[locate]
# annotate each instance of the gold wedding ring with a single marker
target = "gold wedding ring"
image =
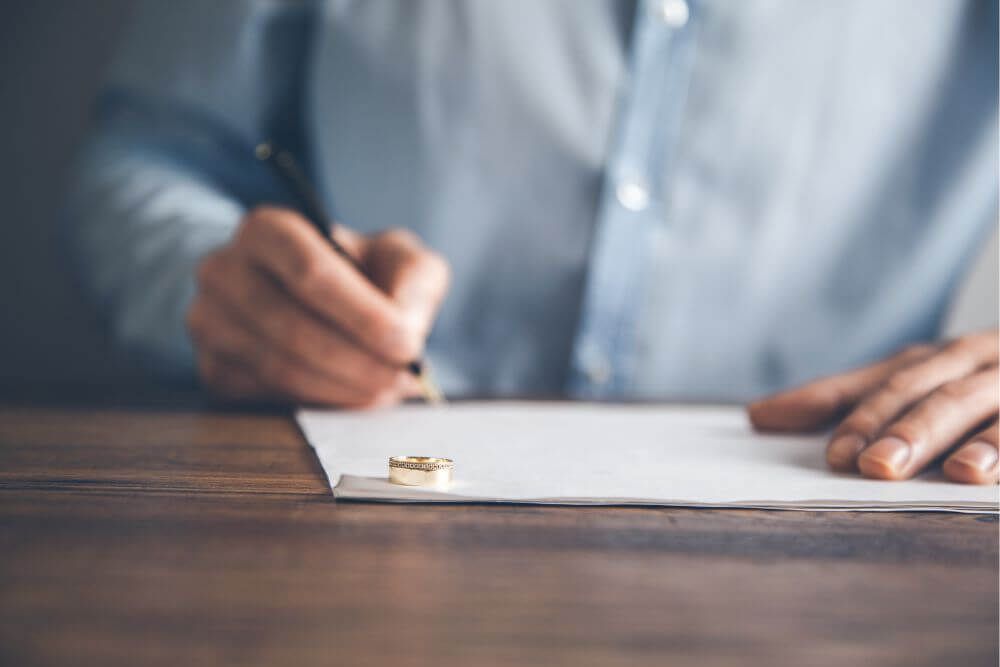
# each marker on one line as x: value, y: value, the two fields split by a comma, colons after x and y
x: 420, y: 471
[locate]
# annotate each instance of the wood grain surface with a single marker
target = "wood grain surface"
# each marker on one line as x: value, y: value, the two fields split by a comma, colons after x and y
x: 155, y: 536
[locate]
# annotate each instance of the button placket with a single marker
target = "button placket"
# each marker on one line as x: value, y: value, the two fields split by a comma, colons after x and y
x: 604, y: 361
x: 674, y: 13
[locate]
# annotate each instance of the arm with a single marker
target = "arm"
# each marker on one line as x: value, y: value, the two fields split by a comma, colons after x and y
x: 900, y: 415
x: 169, y: 225
x: 168, y: 173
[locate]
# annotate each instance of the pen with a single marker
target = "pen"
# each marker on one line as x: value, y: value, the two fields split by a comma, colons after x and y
x: 288, y: 169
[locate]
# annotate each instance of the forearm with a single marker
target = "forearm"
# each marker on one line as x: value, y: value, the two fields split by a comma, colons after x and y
x: 136, y: 225
x: 169, y: 169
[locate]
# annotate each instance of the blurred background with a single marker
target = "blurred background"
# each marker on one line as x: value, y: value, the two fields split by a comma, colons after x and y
x: 52, y: 57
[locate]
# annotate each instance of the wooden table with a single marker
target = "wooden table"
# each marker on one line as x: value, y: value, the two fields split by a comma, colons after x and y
x: 169, y: 535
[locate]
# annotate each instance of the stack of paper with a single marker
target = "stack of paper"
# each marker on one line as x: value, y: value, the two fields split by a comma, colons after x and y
x: 597, y: 454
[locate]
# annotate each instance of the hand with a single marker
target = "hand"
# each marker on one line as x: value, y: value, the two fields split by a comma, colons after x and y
x: 904, y: 413
x: 279, y: 315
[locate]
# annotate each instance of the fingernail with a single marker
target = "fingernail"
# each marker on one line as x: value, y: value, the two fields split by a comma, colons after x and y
x: 842, y: 453
x: 885, y: 458
x: 981, y: 455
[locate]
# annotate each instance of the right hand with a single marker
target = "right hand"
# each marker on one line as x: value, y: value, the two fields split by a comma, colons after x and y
x: 279, y: 315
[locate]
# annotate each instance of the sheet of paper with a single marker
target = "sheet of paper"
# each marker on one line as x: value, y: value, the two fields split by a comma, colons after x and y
x: 596, y: 454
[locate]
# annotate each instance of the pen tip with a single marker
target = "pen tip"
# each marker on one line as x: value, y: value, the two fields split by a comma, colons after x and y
x: 263, y: 150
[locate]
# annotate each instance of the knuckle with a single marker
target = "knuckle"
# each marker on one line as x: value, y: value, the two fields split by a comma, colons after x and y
x: 956, y: 391
x: 210, y: 270
x: 263, y: 224
x: 400, y: 236
x: 827, y: 395
x: 978, y: 339
x: 863, y: 420
x: 266, y: 212
x: 963, y: 347
x: 911, y: 429
x: 902, y: 382
x: 918, y: 350
x: 374, y: 325
x: 253, y: 223
x: 310, y: 273
x: 263, y: 215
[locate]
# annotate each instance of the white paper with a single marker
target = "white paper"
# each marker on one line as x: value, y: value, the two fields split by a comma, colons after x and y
x: 597, y: 454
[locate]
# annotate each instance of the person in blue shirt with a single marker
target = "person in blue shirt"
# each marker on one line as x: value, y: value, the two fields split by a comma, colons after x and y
x: 662, y: 199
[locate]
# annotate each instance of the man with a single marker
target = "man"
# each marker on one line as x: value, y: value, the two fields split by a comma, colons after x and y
x: 671, y: 199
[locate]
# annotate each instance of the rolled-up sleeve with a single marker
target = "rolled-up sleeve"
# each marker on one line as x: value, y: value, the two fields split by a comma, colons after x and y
x: 168, y: 170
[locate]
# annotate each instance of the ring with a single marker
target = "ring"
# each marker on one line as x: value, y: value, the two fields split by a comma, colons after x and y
x: 420, y: 471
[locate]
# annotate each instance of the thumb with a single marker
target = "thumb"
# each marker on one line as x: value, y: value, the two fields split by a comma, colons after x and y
x: 415, y: 277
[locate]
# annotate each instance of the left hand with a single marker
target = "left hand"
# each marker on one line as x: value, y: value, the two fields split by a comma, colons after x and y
x: 898, y: 416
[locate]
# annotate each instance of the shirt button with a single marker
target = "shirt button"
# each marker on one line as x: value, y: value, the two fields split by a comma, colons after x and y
x: 674, y: 13
x: 632, y: 194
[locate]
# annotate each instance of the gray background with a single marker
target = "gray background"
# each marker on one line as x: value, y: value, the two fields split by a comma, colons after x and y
x: 52, y: 54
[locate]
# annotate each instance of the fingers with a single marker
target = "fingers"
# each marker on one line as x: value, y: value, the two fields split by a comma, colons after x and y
x: 252, y: 297
x: 975, y: 462
x: 278, y: 313
x: 413, y: 276
x: 932, y: 426
x: 238, y: 363
x: 901, y: 390
x: 256, y: 342
x: 815, y: 404
x: 243, y: 371
x: 281, y: 243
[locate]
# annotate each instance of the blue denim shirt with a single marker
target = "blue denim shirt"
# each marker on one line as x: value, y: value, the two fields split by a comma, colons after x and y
x: 694, y: 199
